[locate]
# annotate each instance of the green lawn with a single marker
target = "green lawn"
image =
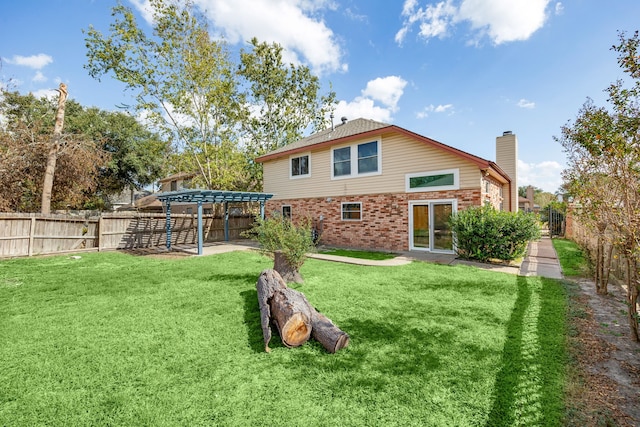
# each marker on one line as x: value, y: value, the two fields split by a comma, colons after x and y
x: 114, y: 339
x: 372, y: 255
x: 572, y: 259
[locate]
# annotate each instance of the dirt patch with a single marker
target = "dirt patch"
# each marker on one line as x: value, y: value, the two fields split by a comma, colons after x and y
x: 605, y: 387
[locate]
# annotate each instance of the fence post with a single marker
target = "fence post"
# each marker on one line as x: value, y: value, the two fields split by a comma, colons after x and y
x: 32, y: 232
x: 100, y: 225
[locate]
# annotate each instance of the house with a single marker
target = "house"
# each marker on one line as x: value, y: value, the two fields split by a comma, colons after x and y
x: 175, y: 182
x: 526, y: 204
x: 374, y: 185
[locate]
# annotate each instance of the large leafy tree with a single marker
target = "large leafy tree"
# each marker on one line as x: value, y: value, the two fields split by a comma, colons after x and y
x: 603, y: 150
x: 137, y: 156
x: 101, y: 154
x: 25, y: 137
x: 284, y: 99
x: 184, y: 84
x: 219, y: 115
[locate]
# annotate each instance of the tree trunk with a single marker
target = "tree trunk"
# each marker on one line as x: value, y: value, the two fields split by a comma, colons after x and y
x: 289, y: 273
x: 294, y: 317
x: 52, y: 156
x: 268, y: 283
x: 326, y: 333
x: 632, y: 295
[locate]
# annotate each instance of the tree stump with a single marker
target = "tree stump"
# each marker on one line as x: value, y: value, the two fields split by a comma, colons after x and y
x: 288, y: 273
x: 294, y: 317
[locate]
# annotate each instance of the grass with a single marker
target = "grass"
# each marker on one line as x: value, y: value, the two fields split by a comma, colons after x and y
x: 371, y: 255
x: 572, y: 259
x: 113, y: 339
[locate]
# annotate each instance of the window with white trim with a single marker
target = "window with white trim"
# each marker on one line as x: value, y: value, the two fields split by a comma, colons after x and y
x: 442, y: 180
x: 351, y: 211
x: 299, y: 166
x: 286, y: 211
x: 356, y: 160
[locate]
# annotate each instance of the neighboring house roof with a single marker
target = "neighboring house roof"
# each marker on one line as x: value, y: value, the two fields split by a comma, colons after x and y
x: 361, y: 128
x: 177, y: 176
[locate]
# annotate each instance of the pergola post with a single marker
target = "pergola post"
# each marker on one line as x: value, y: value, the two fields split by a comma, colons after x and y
x: 261, y: 209
x: 168, y: 225
x: 200, y: 233
x: 226, y: 221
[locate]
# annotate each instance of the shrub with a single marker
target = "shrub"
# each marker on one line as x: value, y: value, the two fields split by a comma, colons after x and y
x: 483, y: 233
x: 277, y: 233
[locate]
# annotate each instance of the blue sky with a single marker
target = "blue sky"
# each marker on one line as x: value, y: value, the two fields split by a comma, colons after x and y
x: 458, y: 71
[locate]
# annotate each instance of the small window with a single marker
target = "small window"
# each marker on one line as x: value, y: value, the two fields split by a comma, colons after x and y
x: 342, y: 161
x: 487, y: 187
x: 286, y: 211
x: 300, y: 166
x: 352, y: 211
x: 433, y: 181
x: 174, y: 185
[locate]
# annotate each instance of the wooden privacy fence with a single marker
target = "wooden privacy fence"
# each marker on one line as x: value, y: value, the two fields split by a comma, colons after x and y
x: 36, y: 234
x: 587, y: 239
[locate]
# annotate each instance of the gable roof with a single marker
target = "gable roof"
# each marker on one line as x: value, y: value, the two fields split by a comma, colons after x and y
x: 361, y: 128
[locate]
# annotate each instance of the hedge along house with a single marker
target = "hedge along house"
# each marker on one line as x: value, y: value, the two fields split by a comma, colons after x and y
x: 374, y: 185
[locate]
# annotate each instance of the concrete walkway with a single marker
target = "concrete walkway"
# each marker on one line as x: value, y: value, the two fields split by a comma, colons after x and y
x: 541, y: 259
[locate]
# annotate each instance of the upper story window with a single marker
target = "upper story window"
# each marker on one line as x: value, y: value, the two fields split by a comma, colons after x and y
x: 300, y: 166
x: 174, y: 185
x: 356, y: 160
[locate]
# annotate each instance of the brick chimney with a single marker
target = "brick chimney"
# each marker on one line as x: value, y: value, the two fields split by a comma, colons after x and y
x: 507, y: 159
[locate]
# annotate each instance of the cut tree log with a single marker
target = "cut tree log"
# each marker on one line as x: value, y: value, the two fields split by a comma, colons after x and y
x: 326, y: 333
x: 294, y: 317
x: 268, y: 282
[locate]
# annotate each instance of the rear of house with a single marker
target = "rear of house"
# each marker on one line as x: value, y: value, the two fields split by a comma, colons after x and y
x: 373, y: 185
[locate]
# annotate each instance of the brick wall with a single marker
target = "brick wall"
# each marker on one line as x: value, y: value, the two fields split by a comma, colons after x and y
x: 385, y: 217
x: 493, y: 196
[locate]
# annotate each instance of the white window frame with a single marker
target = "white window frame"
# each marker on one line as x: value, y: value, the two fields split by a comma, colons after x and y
x: 354, y: 160
x: 295, y: 156
x: 342, y: 218
x: 290, y: 211
x: 455, y: 186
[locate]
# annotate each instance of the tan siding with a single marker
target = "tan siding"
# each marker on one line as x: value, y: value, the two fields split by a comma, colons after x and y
x: 400, y: 155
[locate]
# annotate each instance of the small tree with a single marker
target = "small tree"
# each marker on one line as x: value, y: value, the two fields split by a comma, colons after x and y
x: 288, y: 242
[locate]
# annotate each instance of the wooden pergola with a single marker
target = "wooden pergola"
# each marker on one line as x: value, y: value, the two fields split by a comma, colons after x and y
x: 200, y: 197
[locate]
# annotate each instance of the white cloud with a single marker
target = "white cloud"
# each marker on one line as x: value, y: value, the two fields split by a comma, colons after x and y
x: 45, y: 93
x: 546, y: 175
x: 387, y: 90
x: 294, y: 24
x: 39, y: 77
x: 434, y: 109
x: 34, y: 61
x: 559, y: 8
x: 362, y: 107
x: 501, y: 20
x: 524, y: 103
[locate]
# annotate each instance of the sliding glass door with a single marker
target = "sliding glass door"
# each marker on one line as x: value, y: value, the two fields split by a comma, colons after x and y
x: 429, y: 225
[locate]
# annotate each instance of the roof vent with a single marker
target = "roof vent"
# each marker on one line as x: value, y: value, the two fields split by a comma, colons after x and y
x: 344, y: 119
x: 507, y: 132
